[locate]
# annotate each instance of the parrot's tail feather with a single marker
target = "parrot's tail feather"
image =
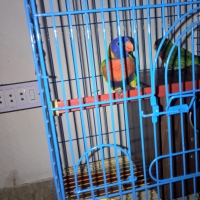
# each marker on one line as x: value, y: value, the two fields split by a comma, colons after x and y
x: 133, y: 83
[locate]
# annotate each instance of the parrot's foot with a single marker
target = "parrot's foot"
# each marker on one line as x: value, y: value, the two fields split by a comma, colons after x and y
x: 136, y: 87
x: 119, y: 92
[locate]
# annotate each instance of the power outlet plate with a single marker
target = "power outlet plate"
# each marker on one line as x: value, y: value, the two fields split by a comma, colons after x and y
x: 19, y: 96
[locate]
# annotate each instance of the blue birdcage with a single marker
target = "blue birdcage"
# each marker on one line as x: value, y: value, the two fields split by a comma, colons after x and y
x: 126, y: 134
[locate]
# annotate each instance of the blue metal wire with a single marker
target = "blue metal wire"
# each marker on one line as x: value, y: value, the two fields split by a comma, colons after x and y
x: 194, y: 109
x: 110, y: 21
x: 48, y: 41
x: 107, y: 133
x: 83, y: 79
x: 139, y: 100
x: 101, y: 80
x: 92, y: 135
x: 152, y: 80
x: 91, y: 64
x: 125, y: 105
x: 48, y: 133
x: 181, y: 102
x: 109, y: 87
x: 131, y: 179
x: 56, y: 149
x: 166, y: 156
x: 79, y: 96
x: 113, y: 9
x: 163, y: 19
x: 95, y: 74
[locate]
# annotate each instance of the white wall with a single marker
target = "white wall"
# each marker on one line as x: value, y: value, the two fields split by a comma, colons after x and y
x: 23, y: 147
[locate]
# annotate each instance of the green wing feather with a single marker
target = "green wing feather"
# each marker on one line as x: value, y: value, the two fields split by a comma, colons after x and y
x: 186, y: 57
x: 133, y: 80
x: 103, y: 64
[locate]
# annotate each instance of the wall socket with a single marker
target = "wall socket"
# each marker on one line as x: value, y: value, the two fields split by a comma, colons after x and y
x: 10, y: 98
x: 19, y: 96
x: 2, y: 100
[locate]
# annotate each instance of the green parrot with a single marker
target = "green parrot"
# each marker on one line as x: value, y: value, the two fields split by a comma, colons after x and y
x: 115, y: 65
x: 186, y: 56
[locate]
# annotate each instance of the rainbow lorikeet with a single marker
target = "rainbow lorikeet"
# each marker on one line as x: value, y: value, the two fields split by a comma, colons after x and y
x: 115, y: 64
x: 186, y: 56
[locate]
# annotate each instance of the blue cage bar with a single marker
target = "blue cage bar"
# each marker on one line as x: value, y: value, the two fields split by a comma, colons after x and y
x: 143, y: 144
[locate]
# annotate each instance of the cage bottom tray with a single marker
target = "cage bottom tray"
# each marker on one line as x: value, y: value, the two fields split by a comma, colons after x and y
x: 97, y: 177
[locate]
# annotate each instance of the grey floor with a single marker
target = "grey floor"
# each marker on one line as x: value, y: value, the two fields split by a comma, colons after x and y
x: 43, y: 190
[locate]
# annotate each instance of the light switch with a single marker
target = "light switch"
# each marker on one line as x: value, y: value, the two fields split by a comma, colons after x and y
x: 32, y: 96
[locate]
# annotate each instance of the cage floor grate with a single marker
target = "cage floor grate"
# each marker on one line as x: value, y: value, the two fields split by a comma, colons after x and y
x: 97, y: 177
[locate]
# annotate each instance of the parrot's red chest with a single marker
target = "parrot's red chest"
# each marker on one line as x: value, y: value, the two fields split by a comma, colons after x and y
x: 116, y: 70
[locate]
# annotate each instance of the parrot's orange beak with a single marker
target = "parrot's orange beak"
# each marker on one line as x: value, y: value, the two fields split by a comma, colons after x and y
x: 155, y: 47
x: 129, y: 47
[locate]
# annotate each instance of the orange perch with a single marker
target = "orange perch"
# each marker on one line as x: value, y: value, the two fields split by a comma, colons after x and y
x: 160, y: 91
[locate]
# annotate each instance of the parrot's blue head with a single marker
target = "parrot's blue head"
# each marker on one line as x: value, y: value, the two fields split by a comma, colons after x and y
x: 114, y: 47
